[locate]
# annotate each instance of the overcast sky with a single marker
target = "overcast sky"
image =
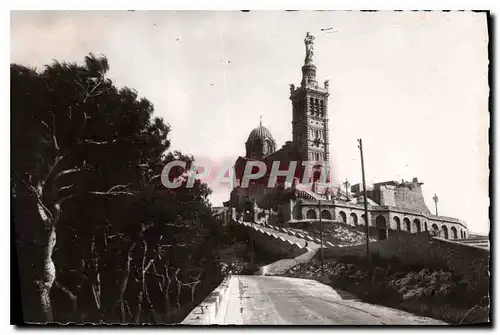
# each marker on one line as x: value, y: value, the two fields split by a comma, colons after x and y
x: 413, y: 85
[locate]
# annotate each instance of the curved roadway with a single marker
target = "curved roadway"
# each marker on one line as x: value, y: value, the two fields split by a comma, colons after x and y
x: 260, y: 300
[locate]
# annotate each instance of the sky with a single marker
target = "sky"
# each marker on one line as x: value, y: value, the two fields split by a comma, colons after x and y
x: 412, y: 85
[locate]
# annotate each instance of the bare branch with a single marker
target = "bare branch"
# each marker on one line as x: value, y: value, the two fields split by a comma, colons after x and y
x: 84, y: 123
x: 71, y: 295
x: 46, y: 125
x: 113, y: 193
x: 117, y: 187
x: 149, y: 264
x: 54, y: 134
x: 175, y: 245
x: 61, y: 200
x: 95, y: 87
x: 58, y: 161
x: 154, y: 178
x: 175, y: 225
x: 64, y: 188
x: 70, y: 171
x: 95, y: 293
x: 128, y: 309
x: 100, y: 142
x: 37, y: 195
x: 79, y: 82
x: 97, y: 94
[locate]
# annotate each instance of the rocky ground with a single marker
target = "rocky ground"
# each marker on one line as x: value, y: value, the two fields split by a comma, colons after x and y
x: 425, y: 292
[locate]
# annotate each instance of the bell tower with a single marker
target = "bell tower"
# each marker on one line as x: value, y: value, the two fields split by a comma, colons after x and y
x: 310, y: 111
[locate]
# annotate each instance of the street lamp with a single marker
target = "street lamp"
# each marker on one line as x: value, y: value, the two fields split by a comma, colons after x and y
x: 436, y: 199
x: 321, y: 237
x: 346, y: 184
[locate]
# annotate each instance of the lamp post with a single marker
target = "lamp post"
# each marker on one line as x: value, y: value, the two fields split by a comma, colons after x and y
x: 436, y: 199
x: 321, y: 237
x: 346, y: 184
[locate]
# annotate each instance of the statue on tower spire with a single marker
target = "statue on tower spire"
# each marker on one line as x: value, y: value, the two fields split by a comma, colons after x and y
x: 309, y: 41
x: 309, y: 69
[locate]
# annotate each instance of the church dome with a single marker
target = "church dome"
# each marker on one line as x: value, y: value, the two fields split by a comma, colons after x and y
x: 260, y: 143
x: 260, y: 133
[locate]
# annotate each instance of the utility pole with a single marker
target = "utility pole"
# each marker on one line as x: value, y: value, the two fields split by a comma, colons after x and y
x: 321, y: 237
x: 360, y: 146
x: 436, y: 199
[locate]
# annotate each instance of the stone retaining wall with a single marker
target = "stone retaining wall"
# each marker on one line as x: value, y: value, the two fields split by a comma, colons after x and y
x: 421, y: 249
x: 206, y: 312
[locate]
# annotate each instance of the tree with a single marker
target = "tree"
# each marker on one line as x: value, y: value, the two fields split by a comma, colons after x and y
x: 87, y: 158
x: 75, y: 136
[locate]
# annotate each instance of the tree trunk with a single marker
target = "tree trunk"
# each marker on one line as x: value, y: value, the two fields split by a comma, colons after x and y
x: 74, y: 315
x: 123, y: 281
x: 48, y: 272
x: 48, y: 276
x: 167, y: 291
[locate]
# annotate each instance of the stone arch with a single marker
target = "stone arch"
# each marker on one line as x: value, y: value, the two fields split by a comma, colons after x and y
x: 363, y: 219
x: 418, y: 226
x: 397, y: 223
x: 311, y: 214
x: 445, y: 231
x: 407, y: 224
x: 425, y: 226
x: 325, y: 214
x: 465, y: 234
x: 435, y: 228
x: 381, y: 227
x: 343, y: 216
x: 354, y: 219
x: 454, y: 233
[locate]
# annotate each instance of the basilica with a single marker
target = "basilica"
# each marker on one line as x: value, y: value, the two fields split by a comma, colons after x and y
x: 392, y: 206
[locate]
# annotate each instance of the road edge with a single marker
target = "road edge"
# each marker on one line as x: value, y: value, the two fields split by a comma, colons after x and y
x: 206, y: 312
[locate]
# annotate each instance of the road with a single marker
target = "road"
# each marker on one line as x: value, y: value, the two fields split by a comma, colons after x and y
x: 259, y: 300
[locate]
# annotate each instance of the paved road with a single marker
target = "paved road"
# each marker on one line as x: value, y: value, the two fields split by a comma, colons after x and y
x: 258, y: 300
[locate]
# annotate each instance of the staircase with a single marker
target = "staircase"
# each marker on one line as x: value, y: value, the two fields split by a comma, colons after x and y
x: 305, y: 193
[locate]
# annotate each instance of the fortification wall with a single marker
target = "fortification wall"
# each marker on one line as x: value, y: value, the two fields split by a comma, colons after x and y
x: 403, y: 197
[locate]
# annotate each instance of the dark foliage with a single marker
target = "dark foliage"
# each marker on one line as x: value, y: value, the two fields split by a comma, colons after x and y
x: 99, y: 238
